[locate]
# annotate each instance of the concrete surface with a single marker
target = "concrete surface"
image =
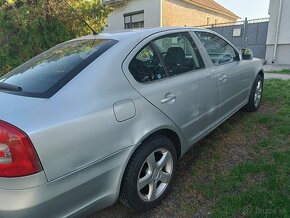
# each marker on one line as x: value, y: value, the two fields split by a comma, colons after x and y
x: 271, y: 68
x: 277, y: 76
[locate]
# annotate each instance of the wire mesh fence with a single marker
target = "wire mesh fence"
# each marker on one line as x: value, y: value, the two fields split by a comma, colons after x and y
x: 236, y: 23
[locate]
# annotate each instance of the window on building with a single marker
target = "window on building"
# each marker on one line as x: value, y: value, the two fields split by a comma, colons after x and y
x: 134, y: 20
x: 216, y: 21
x: 207, y: 20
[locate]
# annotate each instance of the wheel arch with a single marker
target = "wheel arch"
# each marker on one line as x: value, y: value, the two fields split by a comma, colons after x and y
x: 261, y: 73
x: 167, y: 132
x: 171, y: 135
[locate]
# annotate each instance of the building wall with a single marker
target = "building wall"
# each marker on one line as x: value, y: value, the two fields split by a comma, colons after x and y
x: 152, y: 14
x: 182, y: 13
x: 283, y: 48
x: 282, y: 54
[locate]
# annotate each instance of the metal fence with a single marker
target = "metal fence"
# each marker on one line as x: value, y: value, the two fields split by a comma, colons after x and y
x: 250, y: 34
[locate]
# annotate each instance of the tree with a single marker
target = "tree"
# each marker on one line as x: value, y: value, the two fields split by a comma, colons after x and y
x: 73, y: 13
x: 28, y: 27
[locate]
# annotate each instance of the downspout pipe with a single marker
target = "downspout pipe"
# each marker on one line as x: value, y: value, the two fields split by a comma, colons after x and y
x: 277, y: 31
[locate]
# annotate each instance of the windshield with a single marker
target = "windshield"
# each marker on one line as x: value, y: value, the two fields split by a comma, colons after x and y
x: 48, y: 72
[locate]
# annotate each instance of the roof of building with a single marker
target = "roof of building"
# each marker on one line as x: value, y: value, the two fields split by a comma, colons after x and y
x: 212, y: 5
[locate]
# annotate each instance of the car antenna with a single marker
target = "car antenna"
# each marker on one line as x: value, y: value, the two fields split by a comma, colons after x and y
x: 80, y: 18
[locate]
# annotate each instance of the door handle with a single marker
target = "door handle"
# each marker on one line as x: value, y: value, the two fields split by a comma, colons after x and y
x: 224, y: 78
x: 169, y: 98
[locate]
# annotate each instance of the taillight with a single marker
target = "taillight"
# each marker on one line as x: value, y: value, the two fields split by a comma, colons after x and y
x: 17, y: 154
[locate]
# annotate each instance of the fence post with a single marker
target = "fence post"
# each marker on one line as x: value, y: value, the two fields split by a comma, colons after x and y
x: 245, y: 35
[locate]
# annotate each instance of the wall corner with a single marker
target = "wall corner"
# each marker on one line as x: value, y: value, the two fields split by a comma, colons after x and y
x: 161, y: 13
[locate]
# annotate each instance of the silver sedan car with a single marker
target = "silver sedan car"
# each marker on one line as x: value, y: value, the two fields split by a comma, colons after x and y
x: 105, y: 117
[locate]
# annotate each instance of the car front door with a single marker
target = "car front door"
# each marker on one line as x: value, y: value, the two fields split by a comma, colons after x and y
x: 169, y: 71
x: 234, y: 75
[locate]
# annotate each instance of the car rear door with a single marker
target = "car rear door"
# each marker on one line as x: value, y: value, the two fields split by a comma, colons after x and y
x: 169, y: 71
x: 234, y: 75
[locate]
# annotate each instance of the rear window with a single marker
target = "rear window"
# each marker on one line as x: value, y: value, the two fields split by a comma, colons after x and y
x: 48, y: 72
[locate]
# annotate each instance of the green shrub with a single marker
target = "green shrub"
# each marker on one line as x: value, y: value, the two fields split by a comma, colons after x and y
x: 29, y: 27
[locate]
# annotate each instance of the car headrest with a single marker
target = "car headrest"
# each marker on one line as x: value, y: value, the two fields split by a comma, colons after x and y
x: 175, y: 55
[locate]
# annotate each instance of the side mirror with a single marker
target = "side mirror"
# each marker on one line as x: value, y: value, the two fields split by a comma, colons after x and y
x: 247, y: 54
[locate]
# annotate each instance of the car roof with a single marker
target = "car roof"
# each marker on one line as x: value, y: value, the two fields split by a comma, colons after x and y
x: 133, y: 33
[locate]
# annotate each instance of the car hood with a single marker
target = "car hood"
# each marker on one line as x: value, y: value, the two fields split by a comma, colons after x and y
x: 12, y: 107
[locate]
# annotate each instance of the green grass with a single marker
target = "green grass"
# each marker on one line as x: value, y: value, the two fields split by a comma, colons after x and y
x: 260, y: 186
x: 284, y: 71
x: 265, y: 195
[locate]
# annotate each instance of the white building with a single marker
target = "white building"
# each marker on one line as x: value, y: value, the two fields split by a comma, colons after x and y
x: 132, y: 12
x: 129, y: 14
x: 278, y: 41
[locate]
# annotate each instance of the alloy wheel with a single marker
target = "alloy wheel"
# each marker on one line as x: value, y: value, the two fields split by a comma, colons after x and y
x: 258, y: 93
x: 155, y: 175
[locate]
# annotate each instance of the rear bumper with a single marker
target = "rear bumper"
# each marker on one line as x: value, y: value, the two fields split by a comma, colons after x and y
x: 87, y: 190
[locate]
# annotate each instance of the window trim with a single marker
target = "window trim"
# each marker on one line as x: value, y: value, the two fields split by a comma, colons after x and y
x: 130, y: 15
x: 238, y: 58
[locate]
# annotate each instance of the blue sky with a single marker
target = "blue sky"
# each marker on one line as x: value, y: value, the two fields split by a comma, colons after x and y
x: 247, y: 8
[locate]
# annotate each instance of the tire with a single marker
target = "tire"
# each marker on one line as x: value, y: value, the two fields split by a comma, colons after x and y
x: 256, y: 95
x: 152, y: 165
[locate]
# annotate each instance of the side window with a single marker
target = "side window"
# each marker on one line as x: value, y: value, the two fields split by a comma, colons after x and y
x: 146, y: 66
x: 218, y: 49
x: 179, y: 53
x: 166, y: 56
